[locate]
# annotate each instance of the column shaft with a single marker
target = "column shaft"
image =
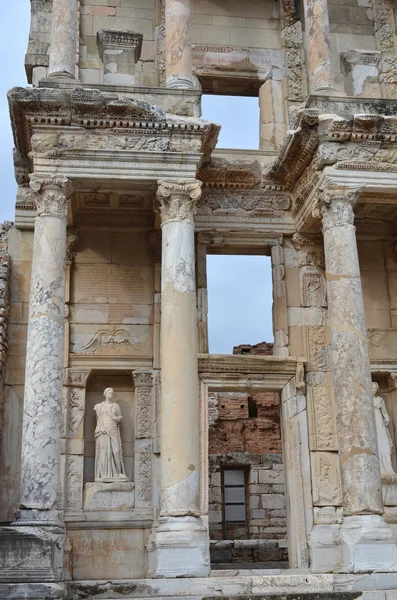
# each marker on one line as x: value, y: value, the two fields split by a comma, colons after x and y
x: 318, y: 46
x: 178, y: 49
x: 40, y: 468
x: 63, y: 43
x: 179, y: 369
x: 358, y: 449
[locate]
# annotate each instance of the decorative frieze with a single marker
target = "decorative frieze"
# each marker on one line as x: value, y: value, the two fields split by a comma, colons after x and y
x: 323, y: 418
x: 318, y: 348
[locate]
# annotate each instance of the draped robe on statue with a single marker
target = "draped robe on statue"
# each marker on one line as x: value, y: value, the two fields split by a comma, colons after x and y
x: 108, y: 450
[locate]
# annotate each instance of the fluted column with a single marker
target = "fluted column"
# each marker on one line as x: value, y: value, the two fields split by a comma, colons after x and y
x: 178, y: 49
x: 40, y: 468
x: 182, y: 541
x: 318, y: 46
x: 358, y: 448
x: 63, y: 42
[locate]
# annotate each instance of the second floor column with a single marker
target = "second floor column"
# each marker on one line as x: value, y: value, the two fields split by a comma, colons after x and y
x: 178, y: 49
x: 182, y: 540
x: 63, y: 42
x: 318, y: 47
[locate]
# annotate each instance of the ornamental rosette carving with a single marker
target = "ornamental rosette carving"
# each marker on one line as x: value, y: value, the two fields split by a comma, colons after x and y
x: 178, y: 199
x: 336, y: 206
x: 52, y: 195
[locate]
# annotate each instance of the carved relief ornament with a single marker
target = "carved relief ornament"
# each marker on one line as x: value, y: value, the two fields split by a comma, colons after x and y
x: 336, y: 206
x: 52, y: 195
x: 178, y: 199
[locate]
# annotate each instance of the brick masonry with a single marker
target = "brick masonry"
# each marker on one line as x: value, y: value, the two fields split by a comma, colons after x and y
x: 245, y: 432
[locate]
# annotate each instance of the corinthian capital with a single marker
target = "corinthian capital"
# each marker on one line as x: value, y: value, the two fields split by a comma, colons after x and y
x: 52, y: 194
x: 178, y: 199
x: 336, y: 205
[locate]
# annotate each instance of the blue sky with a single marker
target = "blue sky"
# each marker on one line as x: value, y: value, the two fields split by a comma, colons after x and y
x: 239, y: 287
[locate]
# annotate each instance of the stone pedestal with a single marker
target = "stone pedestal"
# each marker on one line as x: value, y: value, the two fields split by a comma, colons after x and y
x: 363, y: 541
x: 182, y: 541
x: 32, y: 550
x: 63, y: 44
x: 317, y: 32
x: 389, y: 490
x: 111, y: 496
x: 119, y: 50
x: 178, y: 49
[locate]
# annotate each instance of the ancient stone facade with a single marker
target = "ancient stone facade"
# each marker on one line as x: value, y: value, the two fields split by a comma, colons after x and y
x: 122, y: 194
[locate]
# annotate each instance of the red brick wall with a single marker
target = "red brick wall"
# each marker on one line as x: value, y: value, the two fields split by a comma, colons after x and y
x: 234, y: 431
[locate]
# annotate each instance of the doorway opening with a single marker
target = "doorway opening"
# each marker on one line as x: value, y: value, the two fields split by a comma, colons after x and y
x: 247, y: 509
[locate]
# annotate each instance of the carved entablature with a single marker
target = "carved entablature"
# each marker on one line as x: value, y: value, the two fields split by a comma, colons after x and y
x: 232, y: 174
x: 361, y: 142
x: 249, y: 202
x: 101, y: 121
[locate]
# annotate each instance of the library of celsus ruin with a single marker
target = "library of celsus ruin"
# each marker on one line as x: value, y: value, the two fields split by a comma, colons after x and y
x: 135, y: 463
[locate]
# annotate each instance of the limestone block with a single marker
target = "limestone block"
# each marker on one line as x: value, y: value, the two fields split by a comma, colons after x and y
x: 30, y: 554
x: 115, y: 496
x: 327, y: 489
x: 108, y: 553
x: 119, y: 50
x: 389, y: 490
x: 362, y: 73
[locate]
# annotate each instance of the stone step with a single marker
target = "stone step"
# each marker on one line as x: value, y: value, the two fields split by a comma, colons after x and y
x: 230, y: 585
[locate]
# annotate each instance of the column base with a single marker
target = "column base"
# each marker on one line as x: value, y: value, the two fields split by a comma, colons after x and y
x: 177, y: 83
x: 182, y: 548
x: 361, y: 544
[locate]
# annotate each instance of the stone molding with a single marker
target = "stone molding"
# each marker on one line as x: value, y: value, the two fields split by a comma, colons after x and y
x: 122, y: 39
x: 178, y: 199
x: 52, y: 195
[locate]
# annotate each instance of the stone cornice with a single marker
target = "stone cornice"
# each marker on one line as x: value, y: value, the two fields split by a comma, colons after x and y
x: 120, y: 39
x: 99, y: 112
x: 351, y: 142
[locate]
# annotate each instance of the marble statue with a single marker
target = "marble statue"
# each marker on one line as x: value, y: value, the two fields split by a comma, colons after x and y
x: 385, y: 443
x: 109, y: 464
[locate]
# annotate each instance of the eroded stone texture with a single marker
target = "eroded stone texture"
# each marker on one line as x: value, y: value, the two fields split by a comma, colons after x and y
x: 318, y: 46
x: 62, y: 61
x: 358, y: 448
x: 44, y: 361
x: 178, y: 51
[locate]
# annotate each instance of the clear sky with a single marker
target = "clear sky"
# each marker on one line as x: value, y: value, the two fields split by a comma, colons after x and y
x: 239, y: 287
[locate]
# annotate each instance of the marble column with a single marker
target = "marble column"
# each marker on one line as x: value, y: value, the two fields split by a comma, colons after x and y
x: 63, y: 42
x: 358, y: 448
x: 41, y: 440
x: 178, y: 49
x: 318, y: 47
x: 182, y: 541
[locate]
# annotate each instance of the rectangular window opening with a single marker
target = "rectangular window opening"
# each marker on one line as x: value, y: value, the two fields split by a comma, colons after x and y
x: 239, y: 118
x: 239, y: 304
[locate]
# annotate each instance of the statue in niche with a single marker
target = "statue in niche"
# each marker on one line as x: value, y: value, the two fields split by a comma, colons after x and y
x: 109, y: 466
x: 385, y: 443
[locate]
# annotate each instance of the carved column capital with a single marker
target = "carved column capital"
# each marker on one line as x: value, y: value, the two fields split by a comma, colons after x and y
x: 142, y: 378
x: 178, y: 199
x: 336, y: 205
x: 52, y: 195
